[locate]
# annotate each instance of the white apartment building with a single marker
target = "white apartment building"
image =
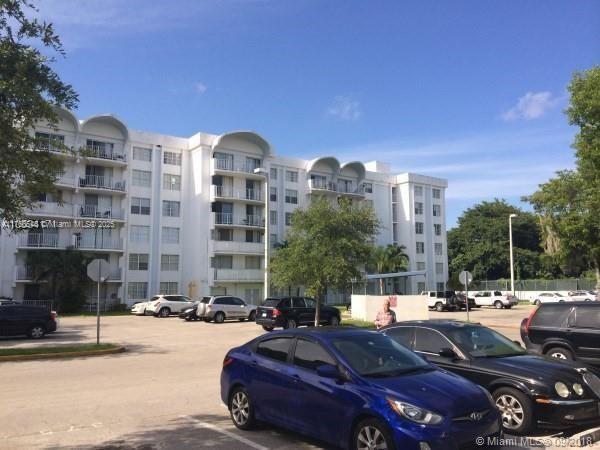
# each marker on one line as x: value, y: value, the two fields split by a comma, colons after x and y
x: 187, y: 215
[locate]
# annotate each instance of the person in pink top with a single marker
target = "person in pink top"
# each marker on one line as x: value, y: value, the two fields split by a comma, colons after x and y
x: 385, y: 316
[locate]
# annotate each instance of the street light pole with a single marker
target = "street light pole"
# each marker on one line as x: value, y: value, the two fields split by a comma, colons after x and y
x: 262, y: 171
x: 512, y: 270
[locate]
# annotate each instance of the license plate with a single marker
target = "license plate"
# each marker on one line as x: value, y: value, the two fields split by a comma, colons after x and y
x: 264, y: 314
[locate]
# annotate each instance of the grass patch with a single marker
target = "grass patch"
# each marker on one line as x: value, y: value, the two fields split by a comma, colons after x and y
x: 90, y: 314
x: 357, y: 323
x: 54, y: 350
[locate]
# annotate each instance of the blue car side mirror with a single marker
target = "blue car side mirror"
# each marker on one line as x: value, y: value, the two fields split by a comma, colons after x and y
x: 328, y: 371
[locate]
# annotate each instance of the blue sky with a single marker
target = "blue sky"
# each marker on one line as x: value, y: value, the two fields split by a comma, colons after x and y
x: 472, y: 91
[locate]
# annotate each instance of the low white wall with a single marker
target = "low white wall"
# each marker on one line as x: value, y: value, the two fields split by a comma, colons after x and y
x: 407, y: 307
x: 527, y: 295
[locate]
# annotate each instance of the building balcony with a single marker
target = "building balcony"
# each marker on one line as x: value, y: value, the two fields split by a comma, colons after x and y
x: 237, y: 275
x: 228, y: 193
x: 235, y: 247
x: 97, y: 243
x: 96, y: 212
x: 104, y: 153
x: 101, y: 183
x: 65, y: 180
x: 43, y: 241
x: 231, y: 220
x: 59, y: 241
x: 228, y: 167
x: 318, y: 186
x: 50, y: 209
x: 26, y: 274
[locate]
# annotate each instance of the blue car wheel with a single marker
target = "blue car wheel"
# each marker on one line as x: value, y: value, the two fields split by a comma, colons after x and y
x: 372, y: 434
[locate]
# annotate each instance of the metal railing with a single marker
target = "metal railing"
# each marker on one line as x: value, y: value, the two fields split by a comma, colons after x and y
x: 252, y: 221
x: 94, y: 211
x: 228, y: 165
x: 102, y: 152
x: 322, y: 185
x: 224, y: 218
x: 24, y: 273
x: 567, y: 284
x: 97, y: 243
x: 37, y: 240
x: 101, y: 182
x: 254, y: 194
x: 238, y: 274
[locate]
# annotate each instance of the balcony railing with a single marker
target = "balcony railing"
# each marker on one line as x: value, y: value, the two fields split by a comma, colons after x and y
x: 71, y: 210
x: 42, y: 240
x: 322, y: 185
x: 97, y: 243
x: 228, y: 192
x: 228, y: 165
x: 52, y: 209
x: 254, y: 194
x: 238, y: 247
x: 101, y: 182
x: 230, y: 219
x: 65, y: 179
x: 252, y: 221
x: 24, y: 273
x: 93, y: 211
x: 238, y: 274
x: 331, y: 186
x: 93, y: 151
x: 224, y: 218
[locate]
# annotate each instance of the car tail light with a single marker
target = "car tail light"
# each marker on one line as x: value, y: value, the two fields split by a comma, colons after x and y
x: 529, y: 319
x: 228, y: 360
x: 53, y: 315
x: 276, y: 312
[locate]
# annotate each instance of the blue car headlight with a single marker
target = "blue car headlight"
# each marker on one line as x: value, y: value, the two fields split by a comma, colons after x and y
x: 415, y: 413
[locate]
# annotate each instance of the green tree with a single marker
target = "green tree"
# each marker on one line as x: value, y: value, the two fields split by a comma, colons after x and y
x: 389, y: 259
x: 29, y: 93
x: 569, y: 204
x: 327, y: 245
x: 480, y: 242
x: 65, y: 273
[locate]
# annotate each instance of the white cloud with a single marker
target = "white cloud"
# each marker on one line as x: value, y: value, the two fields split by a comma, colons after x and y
x: 200, y: 87
x: 532, y: 105
x: 345, y: 107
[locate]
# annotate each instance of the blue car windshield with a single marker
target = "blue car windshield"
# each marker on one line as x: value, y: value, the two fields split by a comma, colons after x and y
x: 377, y: 355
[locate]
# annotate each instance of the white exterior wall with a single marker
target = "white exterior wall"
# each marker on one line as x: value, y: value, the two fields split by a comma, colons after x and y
x: 196, y: 225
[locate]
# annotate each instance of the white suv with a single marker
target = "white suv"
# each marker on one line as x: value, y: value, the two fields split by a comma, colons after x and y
x: 165, y: 305
x: 496, y: 299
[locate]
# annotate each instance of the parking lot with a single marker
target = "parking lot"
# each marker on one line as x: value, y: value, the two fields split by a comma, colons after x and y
x: 162, y: 393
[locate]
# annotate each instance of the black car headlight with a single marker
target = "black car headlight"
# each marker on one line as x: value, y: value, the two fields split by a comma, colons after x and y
x: 578, y: 389
x: 562, y: 389
x: 415, y: 413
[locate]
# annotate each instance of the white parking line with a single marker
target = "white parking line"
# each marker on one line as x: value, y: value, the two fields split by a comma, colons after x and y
x: 227, y: 433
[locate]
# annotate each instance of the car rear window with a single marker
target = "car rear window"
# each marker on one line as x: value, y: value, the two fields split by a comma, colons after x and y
x: 277, y: 348
x: 156, y: 297
x: 587, y: 317
x: 551, y: 315
x: 205, y: 300
x: 272, y: 302
x: 311, y: 355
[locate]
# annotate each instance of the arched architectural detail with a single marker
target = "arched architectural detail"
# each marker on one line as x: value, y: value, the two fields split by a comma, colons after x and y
x: 357, y: 167
x: 106, y: 119
x: 234, y: 137
x: 330, y: 161
x: 66, y: 116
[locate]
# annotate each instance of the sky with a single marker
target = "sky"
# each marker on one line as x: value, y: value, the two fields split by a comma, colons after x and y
x: 471, y: 91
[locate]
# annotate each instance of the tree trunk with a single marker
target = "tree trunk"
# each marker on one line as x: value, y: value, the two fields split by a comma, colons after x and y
x: 381, y: 286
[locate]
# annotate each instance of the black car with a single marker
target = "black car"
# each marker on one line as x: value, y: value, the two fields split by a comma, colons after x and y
x: 291, y: 312
x: 567, y: 330
x: 460, y: 300
x: 189, y: 314
x: 531, y: 391
x: 33, y: 321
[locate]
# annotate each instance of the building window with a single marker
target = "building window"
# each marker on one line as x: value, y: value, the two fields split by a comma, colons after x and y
x: 139, y: 233
x: 138, y: 261
x: 395, y: 232
x: 273, y: 194
x: 172, y: 158
x: 170, y: 208
x: 137, y: 290
x: 441, y: 286
x: 418, y: 208
x: 142, y: 178
x: 288, y: 218
x: 418, y: 191
x: 140, y: 206
x: 420, y: 265
x: 438, y: 249
x: 420, y: 248
x: 437, y: 229
x: 49, y: 142
x: 169, y: 263
x: 222, y: 262
x: 252, y: 163
x: 273, y: 217
x: 273, y: 173
x: 170, y: 235
x: 253, y: 236
x: 222, y: 234
x: 273, y: 240
x: 169, y: 287
x: 439, y: 268
x: 252, y: 262
x: 394, y: 195
x: 419, y: 227
x: 368, y: 188
x: 142, y: 154
x: 171, y: 182
x: 291, y: 176
x: 394, y: 214
x: 436, y: 193
x: 291, y: 196
x: 437, y: 210
x: 421, y: 286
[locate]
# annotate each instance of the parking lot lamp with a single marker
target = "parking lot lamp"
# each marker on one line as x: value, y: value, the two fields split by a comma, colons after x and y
x: 510, y: 238
x: 265, y: 173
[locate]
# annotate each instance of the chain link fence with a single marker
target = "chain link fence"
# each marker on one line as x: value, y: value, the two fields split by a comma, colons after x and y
x: 567, y: 284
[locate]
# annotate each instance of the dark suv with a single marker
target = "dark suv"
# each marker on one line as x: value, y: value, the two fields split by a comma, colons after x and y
x: 33, y: 321
x: 568, y: 330
x: 291, y: 312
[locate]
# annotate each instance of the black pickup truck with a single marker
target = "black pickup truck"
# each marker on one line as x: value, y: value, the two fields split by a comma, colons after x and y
x: 291, y: 312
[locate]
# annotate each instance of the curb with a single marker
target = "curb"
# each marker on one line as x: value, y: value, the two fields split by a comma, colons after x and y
x: 109, y: 351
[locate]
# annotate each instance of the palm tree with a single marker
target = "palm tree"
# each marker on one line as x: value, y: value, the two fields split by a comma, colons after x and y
x: 389, y: 259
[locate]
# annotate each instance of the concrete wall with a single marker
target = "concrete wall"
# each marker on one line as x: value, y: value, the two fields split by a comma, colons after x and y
x: 406, y: 307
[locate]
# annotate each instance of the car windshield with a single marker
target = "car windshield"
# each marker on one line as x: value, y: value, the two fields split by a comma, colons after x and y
x: 558, y: 295
x: 377, y: 355
x: 481, y: 342
x: 205, y: 300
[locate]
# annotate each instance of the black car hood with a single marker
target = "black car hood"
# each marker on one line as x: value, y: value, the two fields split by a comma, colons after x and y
x: 532, y: 367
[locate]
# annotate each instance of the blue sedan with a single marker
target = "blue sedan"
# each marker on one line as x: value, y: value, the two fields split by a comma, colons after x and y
x: 355, y: 389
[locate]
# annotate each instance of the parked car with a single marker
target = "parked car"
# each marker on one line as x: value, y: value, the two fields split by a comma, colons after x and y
x: 7, y: 301
x: 223, y: 307
x: 165, y: 305
x: 139, y: 308
x: 461, y: 302
x: 353, y: 388
x: 530, y: 391
x: 568, y: 331
x: 496, y: 299
x: 292, y: 312
x: 33, y: 321
x: 586, y: 296
x: 441, y: 300
x: 189, y: 314
x: 549, y: 297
